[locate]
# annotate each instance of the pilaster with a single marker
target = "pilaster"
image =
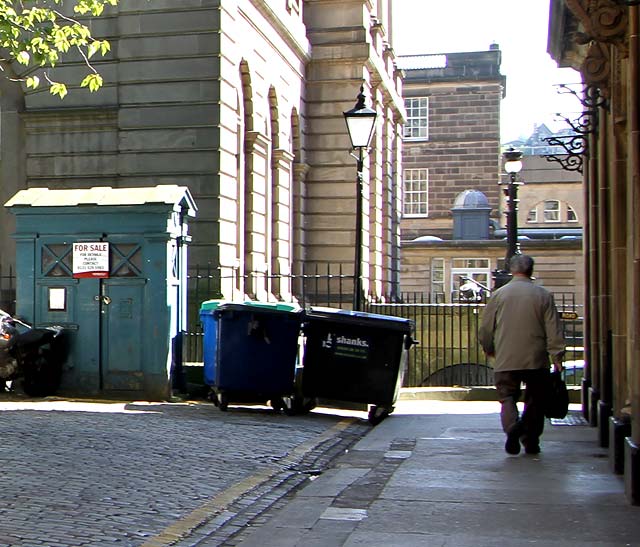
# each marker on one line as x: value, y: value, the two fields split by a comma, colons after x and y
x: 256, y: 212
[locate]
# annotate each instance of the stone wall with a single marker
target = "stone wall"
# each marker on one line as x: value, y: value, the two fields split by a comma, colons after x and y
x: 463, y: 148
x: 559, y: 265
x: 241, y: 101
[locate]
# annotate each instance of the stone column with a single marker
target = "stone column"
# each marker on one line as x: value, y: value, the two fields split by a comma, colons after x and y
x: 591, y: 280
x: 604, y: 287
x: 299, y: 207
x: 256, y: 213
x: 632, y: 447
x: 281, y: 222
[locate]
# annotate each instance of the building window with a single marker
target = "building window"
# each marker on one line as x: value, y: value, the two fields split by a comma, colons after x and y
x: 552, y: 211
x: 470, y: 278
x: 416, y: 192
x: 417, y: 126
x: 571, y: 214
x: 533, y: 215
x: 437, y: 279
x: 56, y: 260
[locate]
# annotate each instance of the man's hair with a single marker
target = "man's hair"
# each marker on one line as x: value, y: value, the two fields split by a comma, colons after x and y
x: 522, y: 264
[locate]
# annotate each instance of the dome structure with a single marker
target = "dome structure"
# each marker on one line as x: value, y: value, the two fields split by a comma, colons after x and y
x: 471, y: 199
x: 471, y: 212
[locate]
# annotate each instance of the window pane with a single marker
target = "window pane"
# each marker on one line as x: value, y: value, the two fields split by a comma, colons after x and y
x: 437, y: 278
x: 56, y: 260
x: 551, y: 211
x: 417, y: 125
x: 416, y: 189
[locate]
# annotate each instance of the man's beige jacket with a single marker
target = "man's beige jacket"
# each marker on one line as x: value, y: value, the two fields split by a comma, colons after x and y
x: 521, y: 326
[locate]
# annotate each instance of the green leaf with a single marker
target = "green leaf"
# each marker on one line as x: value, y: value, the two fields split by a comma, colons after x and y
x: 93, y: 82
x: 93, y: 49
x: 35, y: 33
x: 23, y: 57
x: 33, y: 82
x: 59, y: 89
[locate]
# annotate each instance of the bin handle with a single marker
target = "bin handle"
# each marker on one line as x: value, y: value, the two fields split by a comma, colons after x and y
x: 409, y: 341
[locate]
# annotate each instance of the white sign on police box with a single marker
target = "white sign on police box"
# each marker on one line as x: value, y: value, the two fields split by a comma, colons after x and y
x: 91, y: 259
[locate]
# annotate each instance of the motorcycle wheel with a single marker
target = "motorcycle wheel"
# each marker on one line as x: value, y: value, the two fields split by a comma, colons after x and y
x: 42, y: 378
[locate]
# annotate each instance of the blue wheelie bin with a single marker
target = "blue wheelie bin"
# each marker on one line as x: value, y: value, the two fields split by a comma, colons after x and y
x: 250, y: 351
x: 355, y: 357
x: 209, y: 323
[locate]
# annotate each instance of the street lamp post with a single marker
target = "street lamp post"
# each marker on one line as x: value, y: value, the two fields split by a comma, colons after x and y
x: 512, y: 166
x: 360, y: 122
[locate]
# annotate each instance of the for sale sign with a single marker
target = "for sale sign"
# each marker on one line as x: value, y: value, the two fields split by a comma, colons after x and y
x: 91, y: 259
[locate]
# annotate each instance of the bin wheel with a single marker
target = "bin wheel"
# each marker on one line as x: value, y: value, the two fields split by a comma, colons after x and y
x: 278, y: 404
x: 298, y: 405
x: 223, y: 402
x: 213, y: 397
x: 378, y: 413
x: 41, y: 376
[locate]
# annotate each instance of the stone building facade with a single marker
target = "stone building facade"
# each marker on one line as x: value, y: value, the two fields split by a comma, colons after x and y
x: 452, y: 148
x: 600, y: 39
x: 452, y: 135
x: 241, y: 101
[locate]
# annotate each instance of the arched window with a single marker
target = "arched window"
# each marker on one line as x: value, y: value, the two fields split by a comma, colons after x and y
x: 551, y: 212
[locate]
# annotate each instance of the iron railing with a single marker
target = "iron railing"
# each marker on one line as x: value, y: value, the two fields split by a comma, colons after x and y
x: 326, y: 285
x: 447, y: 353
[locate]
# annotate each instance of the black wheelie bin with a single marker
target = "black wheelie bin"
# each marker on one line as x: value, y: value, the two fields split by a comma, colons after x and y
x: 355, y: 357
x: 250, y: 351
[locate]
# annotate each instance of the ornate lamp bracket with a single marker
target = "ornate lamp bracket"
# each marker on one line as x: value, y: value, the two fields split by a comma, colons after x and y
x: 575, y: 147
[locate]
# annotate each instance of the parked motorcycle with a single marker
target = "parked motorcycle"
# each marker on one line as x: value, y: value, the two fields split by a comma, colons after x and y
x: 35, y: 355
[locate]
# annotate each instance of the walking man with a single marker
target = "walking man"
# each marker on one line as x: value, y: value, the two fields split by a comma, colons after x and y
x: 521, y: 328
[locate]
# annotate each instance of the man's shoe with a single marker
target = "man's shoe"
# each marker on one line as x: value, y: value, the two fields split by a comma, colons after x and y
x: 512, y: 446
x: 531, y: 448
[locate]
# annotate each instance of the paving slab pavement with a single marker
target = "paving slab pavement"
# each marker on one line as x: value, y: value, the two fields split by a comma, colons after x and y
x: 435, y: 473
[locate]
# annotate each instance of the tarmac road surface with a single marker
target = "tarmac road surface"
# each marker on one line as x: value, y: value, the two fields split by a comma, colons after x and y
x: 111, y: 474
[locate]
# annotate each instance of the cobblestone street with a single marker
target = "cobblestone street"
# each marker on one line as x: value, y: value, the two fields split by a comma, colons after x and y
x: 151, y: 475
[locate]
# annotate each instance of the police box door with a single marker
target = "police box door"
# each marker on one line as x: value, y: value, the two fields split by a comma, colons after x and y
x: 103, y: 313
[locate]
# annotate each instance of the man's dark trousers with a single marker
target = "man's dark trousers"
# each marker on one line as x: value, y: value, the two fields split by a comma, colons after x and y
x: 508, y: 384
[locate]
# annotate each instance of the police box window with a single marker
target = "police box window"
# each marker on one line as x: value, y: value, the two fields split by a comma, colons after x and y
x: 57, y: 298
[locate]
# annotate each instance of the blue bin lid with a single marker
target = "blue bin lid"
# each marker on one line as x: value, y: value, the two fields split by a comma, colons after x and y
x: 212, y: 307
x: 209, y: 306
x: 279, y: 306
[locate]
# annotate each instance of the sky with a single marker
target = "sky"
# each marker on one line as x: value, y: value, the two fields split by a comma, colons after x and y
x: 519, y: 27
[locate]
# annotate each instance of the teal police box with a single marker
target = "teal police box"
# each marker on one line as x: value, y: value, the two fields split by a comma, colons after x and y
x: 109, y: 265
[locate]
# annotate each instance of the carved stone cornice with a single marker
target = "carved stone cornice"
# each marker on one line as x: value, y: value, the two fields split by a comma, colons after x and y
x: 300, y: 171
x: 602, y: 20
x: 604, y: 24
x: 596, y: 68
x: 256, y: 142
